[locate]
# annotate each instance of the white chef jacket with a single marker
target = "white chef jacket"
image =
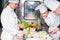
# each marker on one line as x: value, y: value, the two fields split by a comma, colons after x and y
x: 9, y: 23
x: 52, y: 5
x: 52, y: 20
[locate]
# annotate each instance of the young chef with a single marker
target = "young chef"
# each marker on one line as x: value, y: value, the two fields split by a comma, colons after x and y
x: 51, y: 19
x: 9, y: 21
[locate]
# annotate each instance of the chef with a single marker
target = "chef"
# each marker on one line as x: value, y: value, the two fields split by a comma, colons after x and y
x: 51, y: 19
x: 9, y: 21
x: 54, y: 6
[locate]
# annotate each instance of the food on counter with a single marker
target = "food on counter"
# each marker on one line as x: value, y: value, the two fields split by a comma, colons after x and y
x: 33, y: 24
x: 42, y: 35
x: 28, y: 30
x: 26, y: 25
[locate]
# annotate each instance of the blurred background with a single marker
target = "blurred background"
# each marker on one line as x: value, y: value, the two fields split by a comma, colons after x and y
x: 0, y: 14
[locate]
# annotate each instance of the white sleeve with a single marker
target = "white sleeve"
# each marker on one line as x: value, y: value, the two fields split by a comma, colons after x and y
x: 8, y: 24
x: 52, y: 4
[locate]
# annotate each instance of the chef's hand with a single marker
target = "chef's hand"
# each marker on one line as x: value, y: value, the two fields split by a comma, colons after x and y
x: 20, y: 32
x: 54, y: 30
x: 21, y: 26
x: 20, y: 35
x: 57, y: 11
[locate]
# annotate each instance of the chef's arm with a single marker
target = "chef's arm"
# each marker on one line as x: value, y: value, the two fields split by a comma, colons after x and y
x: 53, y: 5
x: 53, y: 31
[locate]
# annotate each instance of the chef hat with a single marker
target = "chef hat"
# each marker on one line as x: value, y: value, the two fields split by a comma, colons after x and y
x: 42, y: 8
x: 52, y: 4
x: 14, y: 1
x: 51, y: 28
